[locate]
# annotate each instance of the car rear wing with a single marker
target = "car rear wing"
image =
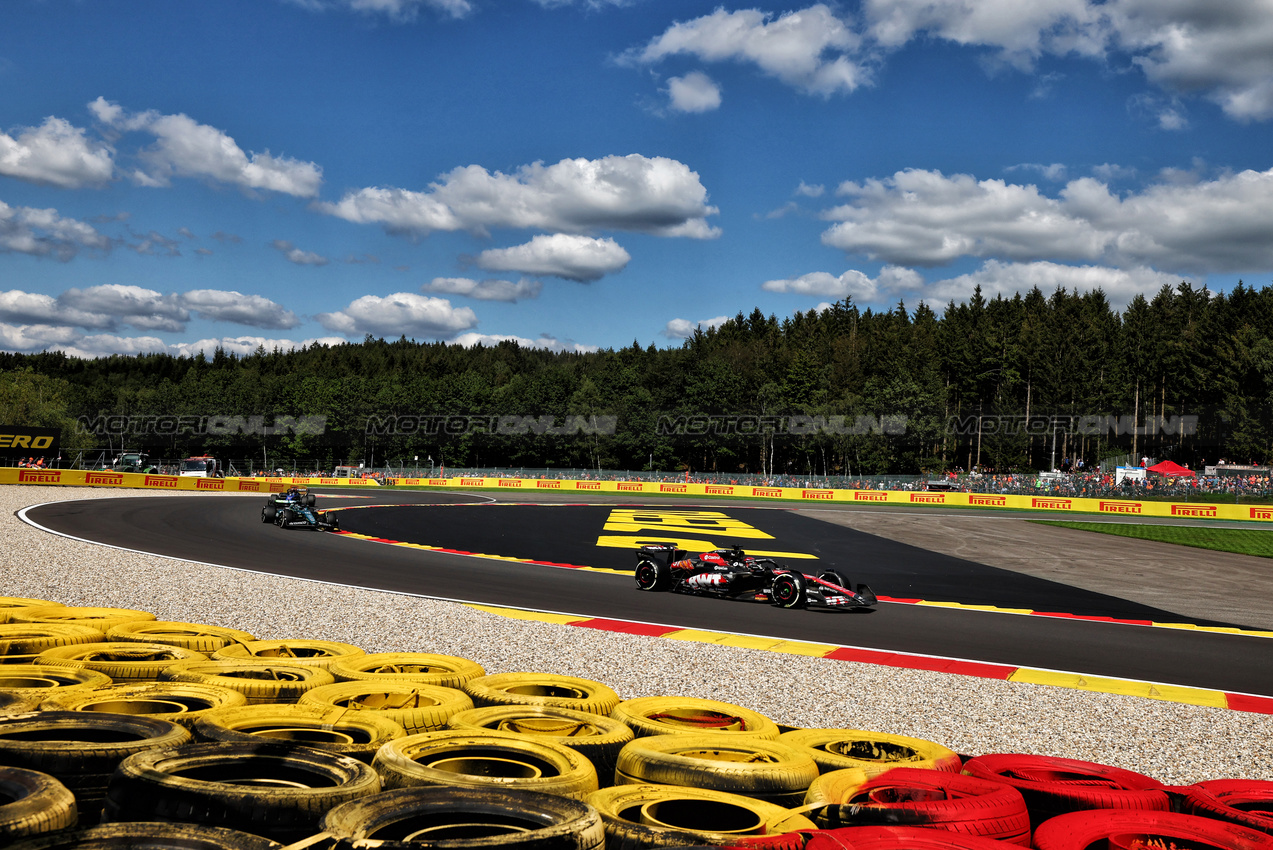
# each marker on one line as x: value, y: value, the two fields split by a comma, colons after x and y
x: 660, y: 551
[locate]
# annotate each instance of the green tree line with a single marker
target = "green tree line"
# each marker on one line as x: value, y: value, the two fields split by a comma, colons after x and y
x: 1003, y: 383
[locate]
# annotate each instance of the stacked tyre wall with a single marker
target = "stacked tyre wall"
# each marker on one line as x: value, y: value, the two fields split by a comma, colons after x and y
x: 117, y: 729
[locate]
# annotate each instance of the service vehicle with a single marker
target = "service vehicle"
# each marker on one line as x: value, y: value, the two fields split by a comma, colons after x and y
x: 295, y: 509
x: 733, y: 574
x: 200, y: 467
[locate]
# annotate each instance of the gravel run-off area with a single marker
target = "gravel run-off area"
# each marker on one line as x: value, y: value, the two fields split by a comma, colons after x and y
x: 1175, y: 743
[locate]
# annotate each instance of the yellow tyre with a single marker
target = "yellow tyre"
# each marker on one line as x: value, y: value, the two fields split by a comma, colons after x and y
x: 196, y: 636
x: 753, y: 767
x: 337, y: 730
x: 102, y: 619
x: 8, y: 603
x: 11, y: 703
x: 307, y: 653
x: 691, y: 715
x: 35, y: 804
x: 544, y: 689
x: 40, y: 680
x: 641, y: 816
x: 485, y: 759
x: 416, y: 708
x: 260, y: 683
x: 21, y: 639
x: 873, y: 752
x: 598, y: 738
x: 178, y: 702
x: 421, y: 668
x: 123, y: 662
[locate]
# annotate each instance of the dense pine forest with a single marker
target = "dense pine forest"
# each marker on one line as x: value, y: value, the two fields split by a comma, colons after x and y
x: 1004, y: 384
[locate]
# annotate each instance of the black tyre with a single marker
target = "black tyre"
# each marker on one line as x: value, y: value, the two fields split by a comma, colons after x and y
x: 269, y: 513
x: 653, y: 575
x: 82, y: 749
x: 149, y: 836
x: 279, y: 792
x: 470, y: 818
x: 788, y: 591
x: 33, y: 803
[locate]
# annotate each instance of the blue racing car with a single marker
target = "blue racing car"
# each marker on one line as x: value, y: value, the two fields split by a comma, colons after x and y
x: 295, y: 509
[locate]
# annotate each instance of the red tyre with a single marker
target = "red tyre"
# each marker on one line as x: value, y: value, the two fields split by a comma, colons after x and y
x: 905, y: 796
x: 1144, y: 830
x: 1244, y: 801
x: 1053, y: 786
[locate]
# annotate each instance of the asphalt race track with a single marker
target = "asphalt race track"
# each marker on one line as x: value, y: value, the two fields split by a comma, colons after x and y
x: 227, y: 531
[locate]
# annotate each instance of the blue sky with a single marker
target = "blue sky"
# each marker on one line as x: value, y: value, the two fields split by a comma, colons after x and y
x: 581, y: 174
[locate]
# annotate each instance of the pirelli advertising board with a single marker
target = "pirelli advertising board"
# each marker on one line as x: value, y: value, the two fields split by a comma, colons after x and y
x: 915, y: 499
x: 20, y: 441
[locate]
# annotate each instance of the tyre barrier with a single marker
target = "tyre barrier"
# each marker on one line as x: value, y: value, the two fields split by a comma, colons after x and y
x: 642, y: 816
x: 177, y: 702
x: 1123, y: 829
x: 420, y: 668
x: 906, y: 796
x: 485, y: 759
x: 304, y: 653
x: 1054, y: 786
x: 33, y: 803
x: 149, y: 836
x: 873, y: 752
x: 196, y: 636
x: 278, y: 792
x: 1248, y: 802
x: 451, y: 818
x: 81, y: 749
x: 102, y: 619
x: 752, y: 767
x: 542, y: 689
x: 259, y: 682
x: 124, y: 662
x: 416, y: 708
x: 8, y: 603
x: 597, y: 738
x: 33, y: 638
x: 13, y: 703
x: 351, y: 733
x: 689, y: 715
x: 40, y: 680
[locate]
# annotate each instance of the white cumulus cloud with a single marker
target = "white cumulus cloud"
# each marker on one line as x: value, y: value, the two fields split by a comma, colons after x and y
x: 144, y: 309
x: 998, y: 278
x: 572, y: 257
x: 394, y: 10
x: 694, y: 92
x: 185, y: 148
x: 44, y: 233
x: 646, y: 194
x: 399, y: 314
x: 297, y: 255
x: 55, y: 153
x: 485, y: 290
x: 851, y: 284
x: 684, y: 328
x: 810, y: 49
x: 544, y: 341
x: 926, y: 218
x: 231, y: 306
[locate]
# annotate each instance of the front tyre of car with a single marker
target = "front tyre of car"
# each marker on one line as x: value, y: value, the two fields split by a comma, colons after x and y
x: 788, y: 591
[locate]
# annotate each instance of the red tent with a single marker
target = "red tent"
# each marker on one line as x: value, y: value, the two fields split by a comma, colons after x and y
x: 1171, y: 469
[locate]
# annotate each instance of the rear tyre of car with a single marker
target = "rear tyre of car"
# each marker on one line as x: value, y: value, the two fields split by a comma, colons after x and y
x: 310, y: 501
x: 788, y: 591
x: 653, y: 575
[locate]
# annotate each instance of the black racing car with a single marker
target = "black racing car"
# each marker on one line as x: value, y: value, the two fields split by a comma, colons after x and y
x: 733, y: 574
x: 295, y: 509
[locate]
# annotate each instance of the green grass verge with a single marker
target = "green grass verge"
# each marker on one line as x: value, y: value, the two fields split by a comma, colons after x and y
x: 1241, y: 541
